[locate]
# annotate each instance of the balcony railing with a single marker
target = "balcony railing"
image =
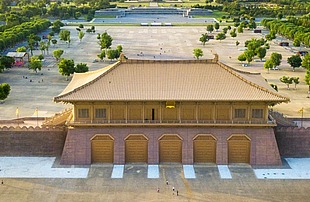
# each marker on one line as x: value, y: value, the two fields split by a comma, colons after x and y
x: 270, y: 122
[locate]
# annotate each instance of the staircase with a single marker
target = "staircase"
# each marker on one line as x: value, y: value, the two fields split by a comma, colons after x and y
x: 59, y: 118
x: 280, y: 119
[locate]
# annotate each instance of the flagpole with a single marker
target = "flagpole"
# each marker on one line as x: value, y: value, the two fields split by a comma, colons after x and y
x: 17, y: 115
x: 37, y: 115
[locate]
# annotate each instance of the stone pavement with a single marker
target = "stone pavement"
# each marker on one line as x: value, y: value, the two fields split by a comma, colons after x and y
x: 135, y: 186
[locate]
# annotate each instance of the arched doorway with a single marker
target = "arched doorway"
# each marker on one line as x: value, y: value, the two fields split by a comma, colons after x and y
x: 239, y: 147
x: 136, y: 148
x: 204, y: 148
x: 170, y: 148
x: 102, y: 148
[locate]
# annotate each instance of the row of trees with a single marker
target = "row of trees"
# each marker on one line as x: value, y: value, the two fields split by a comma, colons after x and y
x: 255, y: 47
x: 66, y: 67
x: 289, y: 80
x: 20, y: 32
x: 63, y: 10
x: 306, y: 64
x: 239, y: 8
x: 299, y: 34
x: 105, y: 43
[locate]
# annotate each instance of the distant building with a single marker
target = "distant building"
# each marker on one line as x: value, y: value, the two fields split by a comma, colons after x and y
x: 181, y: 111
x: 153, y: 11
x: 20, y: 57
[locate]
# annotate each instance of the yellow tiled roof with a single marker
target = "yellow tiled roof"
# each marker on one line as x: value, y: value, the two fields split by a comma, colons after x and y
x: 142, y: 80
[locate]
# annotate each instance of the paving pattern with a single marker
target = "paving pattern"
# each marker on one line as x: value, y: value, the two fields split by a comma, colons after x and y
x: 42, y: 167
x: 137, y: 185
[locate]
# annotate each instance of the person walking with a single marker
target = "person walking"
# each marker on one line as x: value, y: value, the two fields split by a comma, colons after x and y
x: 177, y: 192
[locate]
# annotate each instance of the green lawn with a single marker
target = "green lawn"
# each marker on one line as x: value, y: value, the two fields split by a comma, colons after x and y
x: 105, y: 16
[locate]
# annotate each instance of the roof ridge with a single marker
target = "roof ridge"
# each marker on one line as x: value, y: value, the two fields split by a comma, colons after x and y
x: 113, y: 66
x: 234, y: 71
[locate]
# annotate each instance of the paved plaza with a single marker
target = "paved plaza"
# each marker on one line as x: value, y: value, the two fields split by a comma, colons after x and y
x: 158, y: 43
x: 140, y: 182
x: 105, y: 182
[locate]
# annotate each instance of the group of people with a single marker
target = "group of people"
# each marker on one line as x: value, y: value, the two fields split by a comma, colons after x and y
x: 173, y: 189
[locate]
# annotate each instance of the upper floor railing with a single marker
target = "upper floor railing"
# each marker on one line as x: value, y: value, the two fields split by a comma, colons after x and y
x: 270, y: 122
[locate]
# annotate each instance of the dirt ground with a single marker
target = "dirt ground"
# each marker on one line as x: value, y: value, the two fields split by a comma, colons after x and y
x: 135, y: 186
x: 141, y: 43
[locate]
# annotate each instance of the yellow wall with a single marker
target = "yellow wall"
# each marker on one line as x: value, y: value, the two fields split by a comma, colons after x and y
x: 157, y: 111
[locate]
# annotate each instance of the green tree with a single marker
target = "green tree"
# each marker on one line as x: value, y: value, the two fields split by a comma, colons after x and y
x: 210, y: 28
x: 240, y: 29
x: 296, y: 81
x: 66, y: 67
x: 286, y: 80
x: 21, y: 49
x: 81, y: 68
x: 217, y: 26
x: 119, y: 49
x: 270, y: 36
x: 261, y: 52
x: 276, y: 59
x: 296, y: 43
x: 54, y: 42
x: 105, y: 41
x: 242, y: 57
x: 58, y: 53
x: 233, y: 34
x: 252, y: 25
x: 64, y: 35
x: 101, y: 55
x: 42, y: 46
x: 32, y: 41
x: 237, y: 43
x: 307, y: 80
x: 81, y: 35
x: 280, y: 16
x: 249, y: 54
x: 306, y: 62
x: 220, y: 36
x: 112, y: 54
x: 294, y: 61
x: 225, y: 29
x: 204, y: 38
x: 35, y: 63
x: 197, y: 52
x: 268, y: 65
x: 4, y: 91
x: 6, y: 62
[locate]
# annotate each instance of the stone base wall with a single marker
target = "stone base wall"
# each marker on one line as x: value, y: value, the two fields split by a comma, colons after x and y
x: 264, y: 149
x: 16, y: 141
x: 293, y: 141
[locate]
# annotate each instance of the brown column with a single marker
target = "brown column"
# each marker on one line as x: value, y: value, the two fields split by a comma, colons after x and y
x: 196, y: 111
x: 110, y: 112
x: 143, y: 111
x: 179, y: 112
x: 160, y: 112
x: 126, y: 112
x: 92, y: 113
